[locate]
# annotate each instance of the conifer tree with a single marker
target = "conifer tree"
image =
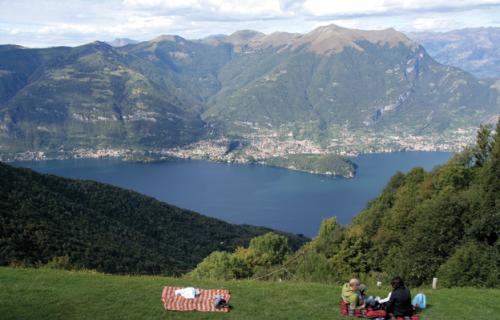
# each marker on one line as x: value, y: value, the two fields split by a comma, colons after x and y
x: 483, y: 145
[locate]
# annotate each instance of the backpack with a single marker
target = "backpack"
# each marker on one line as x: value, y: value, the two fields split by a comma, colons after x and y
x: 420, y: 301
x: 373, y: 303
x: 220, y: 302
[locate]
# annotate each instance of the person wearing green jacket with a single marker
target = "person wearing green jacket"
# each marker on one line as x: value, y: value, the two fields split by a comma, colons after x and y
x: 350, y: 293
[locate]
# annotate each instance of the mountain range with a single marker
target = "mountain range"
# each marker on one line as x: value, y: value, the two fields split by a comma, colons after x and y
x: 476, y: 50
x: 323, y: 89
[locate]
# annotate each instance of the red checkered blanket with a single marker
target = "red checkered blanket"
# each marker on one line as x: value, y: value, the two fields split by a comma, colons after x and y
x: 368, y: 312
x: 204, y: 302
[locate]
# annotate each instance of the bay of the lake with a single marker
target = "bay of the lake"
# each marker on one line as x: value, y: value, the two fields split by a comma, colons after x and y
x: 253, y: 194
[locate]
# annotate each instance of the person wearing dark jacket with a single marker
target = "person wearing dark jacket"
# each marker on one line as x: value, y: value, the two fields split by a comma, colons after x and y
x: 399, y: 304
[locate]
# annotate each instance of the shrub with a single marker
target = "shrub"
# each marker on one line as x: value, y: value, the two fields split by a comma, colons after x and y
x: 19, y: 264
x: 473, y: 264
x: 60, y: 262
x: 269, y: 249
x: 221, y: 266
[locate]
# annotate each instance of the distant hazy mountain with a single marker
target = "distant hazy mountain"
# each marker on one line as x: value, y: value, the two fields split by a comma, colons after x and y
x: 120, y: 42
x: 171, y: 91
x: 476, y: 50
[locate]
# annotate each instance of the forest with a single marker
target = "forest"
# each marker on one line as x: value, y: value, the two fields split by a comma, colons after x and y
x: 46, y: 219
x: 444, y: 223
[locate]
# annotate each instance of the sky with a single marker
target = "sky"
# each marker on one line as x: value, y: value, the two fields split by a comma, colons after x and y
x: 45, y: 23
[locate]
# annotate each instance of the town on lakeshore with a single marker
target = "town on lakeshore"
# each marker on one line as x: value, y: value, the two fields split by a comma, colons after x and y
x: 264, y: 144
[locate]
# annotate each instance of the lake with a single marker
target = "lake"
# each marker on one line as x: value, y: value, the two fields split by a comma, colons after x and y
x: 253, y: 194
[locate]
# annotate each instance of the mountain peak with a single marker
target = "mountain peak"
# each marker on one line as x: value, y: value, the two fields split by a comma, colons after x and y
x: 167, y: 37
x: 322, y: 40
x: 332, y: 38
x: 328, y: 27
x: 120, y: 42
x: 96, y: 45
x: 11, y: 46
x: 244, y: 36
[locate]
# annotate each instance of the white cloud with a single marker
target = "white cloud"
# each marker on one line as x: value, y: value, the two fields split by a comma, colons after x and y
x: 66, y: 28
x: 210, y: 8
x: 315, y: 8
x: 366, y: 7
x: 433, y: 24
x: 48, y: 22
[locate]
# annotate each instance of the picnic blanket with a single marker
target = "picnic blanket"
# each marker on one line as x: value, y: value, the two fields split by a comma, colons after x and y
x: 204, y: 302
x: 368, y: 313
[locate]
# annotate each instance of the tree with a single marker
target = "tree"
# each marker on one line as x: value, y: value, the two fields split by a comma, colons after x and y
x: 221, y: 265
x: 270, y: 249
x: 329, y: 238
x: 473, y: 264
x: 486, y: 218
x: 483, y: 145
x: 431, y: 239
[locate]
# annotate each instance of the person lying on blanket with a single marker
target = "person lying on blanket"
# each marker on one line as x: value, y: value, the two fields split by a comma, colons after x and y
x: 399, y: 304
x: 350, y: 294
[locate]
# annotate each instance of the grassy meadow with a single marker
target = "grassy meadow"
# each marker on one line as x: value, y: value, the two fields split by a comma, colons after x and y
x: 55, y: 294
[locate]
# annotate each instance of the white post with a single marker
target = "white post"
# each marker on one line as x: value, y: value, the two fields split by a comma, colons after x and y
x: 434, y: 283
x: 379, y: 283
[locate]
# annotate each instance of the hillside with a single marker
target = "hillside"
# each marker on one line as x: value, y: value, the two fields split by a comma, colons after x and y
x: 331, y: 90
x: 316, y: 164
x: 106, y: 228
x: 332, y: 76
x: 475, y: 50
x: 26, y: 294
x: 442, y: 223
x: 89, y: 97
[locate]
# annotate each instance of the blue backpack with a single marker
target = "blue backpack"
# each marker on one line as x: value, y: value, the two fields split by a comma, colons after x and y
x: 420, y: 301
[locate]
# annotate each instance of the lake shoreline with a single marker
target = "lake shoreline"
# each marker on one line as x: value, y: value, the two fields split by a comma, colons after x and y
x: 146, y: 157
x: 253, y: 194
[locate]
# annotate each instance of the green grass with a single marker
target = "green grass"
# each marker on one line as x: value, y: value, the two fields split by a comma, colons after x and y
x: 53, y: 294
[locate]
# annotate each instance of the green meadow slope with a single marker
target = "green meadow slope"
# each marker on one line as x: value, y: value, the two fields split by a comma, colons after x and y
x: 53, y: 294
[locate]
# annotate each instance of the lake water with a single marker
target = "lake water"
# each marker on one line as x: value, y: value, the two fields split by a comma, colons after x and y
x: 277, y: 198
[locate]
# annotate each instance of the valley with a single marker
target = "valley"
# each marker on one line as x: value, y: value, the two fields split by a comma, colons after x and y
x: 244, y: 98
x: 255, y: 159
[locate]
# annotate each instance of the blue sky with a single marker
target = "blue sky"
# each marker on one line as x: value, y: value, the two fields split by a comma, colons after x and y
x: 45, y: 23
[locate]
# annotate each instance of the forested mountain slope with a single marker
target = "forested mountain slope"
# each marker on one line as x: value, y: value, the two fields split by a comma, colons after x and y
x: 106, y: 228
x: 443, y: 223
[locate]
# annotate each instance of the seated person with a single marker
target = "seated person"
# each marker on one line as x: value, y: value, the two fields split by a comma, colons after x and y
x: 399, y: 304
x: 350, y: 294
x: 362, y: 294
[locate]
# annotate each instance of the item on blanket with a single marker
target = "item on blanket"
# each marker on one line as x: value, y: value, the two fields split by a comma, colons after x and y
x: 382, y: 301
x: 220, y: 302
x: 362, y: 288
x: 188, y: 293
x: 372, y: 302
x: 420, y: 301
x: 203, y: 302
x: 413, y: 317
x: 367, y: 313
